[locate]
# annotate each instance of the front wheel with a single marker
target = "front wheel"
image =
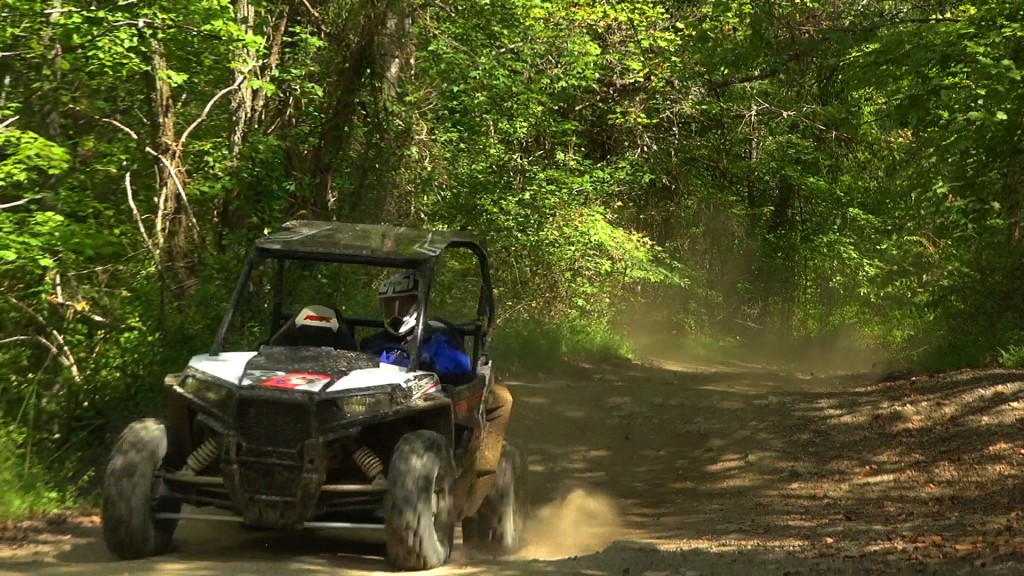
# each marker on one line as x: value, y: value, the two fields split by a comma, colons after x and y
x: 497, y: 527
x: 132, y: 493
x: 419, y: 516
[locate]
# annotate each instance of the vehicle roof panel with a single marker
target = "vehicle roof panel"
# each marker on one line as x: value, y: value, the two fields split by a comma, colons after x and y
x: 365, y: 241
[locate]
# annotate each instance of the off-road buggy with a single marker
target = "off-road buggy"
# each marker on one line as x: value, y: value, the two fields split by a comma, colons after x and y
x: 290, y: 435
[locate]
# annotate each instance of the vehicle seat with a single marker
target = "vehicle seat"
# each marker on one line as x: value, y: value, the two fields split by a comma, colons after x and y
x: 317, y: 326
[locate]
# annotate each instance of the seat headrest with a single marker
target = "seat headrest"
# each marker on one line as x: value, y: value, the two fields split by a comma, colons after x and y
x: 317, y: 316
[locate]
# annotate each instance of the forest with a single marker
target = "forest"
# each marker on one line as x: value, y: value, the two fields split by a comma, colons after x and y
x: 709, y: 176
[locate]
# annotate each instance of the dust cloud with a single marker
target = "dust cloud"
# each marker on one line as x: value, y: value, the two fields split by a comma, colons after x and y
x: 581, y: 522
x: 741, y: 345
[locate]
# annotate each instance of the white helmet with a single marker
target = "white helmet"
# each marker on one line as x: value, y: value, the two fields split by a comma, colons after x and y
x: 398, y: 296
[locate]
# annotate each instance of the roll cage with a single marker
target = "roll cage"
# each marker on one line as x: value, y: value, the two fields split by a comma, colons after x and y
x: 371, y: 245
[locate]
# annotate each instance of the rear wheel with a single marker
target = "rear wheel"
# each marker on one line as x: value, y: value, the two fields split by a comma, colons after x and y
x: 497, y: 527
x: 418, y: 509
x: 133, y: 495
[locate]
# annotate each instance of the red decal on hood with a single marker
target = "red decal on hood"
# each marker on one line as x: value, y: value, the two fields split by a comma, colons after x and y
x: 297, y: 380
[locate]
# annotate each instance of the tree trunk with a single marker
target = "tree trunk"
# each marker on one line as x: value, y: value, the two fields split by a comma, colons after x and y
x: 397, y: 55
x: 398, y: 61
x: 51, y: 98
x: 242, y: 99
x: 372, y: 48
x: 175, y: 236
x: 1013, y: 188
x: 248, y: 111
x: 341, y: 97
x: 276, y: 29
x: 5, y: 85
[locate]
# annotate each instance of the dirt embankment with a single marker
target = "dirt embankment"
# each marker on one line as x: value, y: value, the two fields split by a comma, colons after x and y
x: 668, y: 469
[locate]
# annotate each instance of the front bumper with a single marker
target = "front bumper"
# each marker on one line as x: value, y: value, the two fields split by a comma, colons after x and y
x: 275, y: 451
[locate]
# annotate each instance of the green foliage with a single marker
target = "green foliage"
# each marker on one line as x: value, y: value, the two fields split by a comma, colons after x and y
x: 27, y: 157
x: 563, y: 251
x: 693, y: 175
x: 28, y: 239
x: 527, y: 345
x: 27, y: 487
x: 951, y: 259
x: 1011, y: 356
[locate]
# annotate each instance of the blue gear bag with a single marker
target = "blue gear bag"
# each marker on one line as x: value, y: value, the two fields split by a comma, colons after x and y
x: 437, y: 355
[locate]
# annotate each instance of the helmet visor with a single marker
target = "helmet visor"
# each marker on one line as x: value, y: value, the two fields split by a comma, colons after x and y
x: 400, y: 314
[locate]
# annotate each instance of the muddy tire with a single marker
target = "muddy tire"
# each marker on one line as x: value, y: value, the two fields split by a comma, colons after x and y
x: 419, y: 518
x: 132, y: 495
x: 497, y: 527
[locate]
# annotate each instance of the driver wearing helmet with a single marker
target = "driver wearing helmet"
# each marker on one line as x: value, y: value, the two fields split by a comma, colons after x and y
x: 443, y: 354
x: 440, y: 352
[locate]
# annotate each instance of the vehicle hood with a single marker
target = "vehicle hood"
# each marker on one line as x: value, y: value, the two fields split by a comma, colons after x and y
x: 311, y: 369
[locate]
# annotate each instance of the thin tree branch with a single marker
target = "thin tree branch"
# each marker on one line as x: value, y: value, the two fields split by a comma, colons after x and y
x: 138, y: 218
x: 20, y: 202
x: 170, y: 170
x: 73, y: 307
x: 64, y: 354
x: 886, y: 23
x: 49, y: 345
x: 17, y: 338
x: 206, y: 110
x: 316, y: 16
x: 160, y: 203
x: 8, y: 121
x: 35, y: 315
x: 180, y: 187
x: 58, y: 299
x: 67, y: 358
x: 58, y: 285
x: 158, y: 225
x: 126, y: 129
x: 722, y: 83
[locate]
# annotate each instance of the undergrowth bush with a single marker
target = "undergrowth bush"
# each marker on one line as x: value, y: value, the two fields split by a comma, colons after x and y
x: 523, y: 344
x: 25, y: 485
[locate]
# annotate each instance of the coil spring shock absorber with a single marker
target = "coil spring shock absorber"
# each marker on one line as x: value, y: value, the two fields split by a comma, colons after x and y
x: 201, y: 457
x: 369, y: 463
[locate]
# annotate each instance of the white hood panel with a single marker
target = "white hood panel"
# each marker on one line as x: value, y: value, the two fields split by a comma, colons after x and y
x: 230, y: 367
x: 227, y: 366
x: 383, y: 375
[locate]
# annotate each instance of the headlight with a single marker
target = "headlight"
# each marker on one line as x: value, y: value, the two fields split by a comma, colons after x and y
x: 210, y: 394
x: 365, y: 404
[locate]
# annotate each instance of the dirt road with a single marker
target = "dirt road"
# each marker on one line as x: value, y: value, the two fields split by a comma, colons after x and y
x: 666, y: 469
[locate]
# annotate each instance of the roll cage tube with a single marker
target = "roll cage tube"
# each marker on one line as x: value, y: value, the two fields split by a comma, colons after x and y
x: 426, y: 273
x: 243, y: 280
x: 277, y: 308
x: 485, y: 307
x: 486, y: 289
x: 485, y: 304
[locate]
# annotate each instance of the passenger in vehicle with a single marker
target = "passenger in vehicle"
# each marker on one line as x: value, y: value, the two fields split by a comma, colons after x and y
x: 441, y: 351
x: 444, y: 355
